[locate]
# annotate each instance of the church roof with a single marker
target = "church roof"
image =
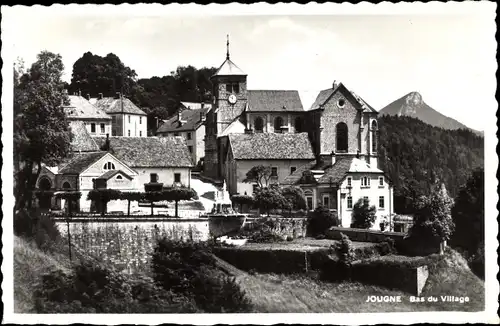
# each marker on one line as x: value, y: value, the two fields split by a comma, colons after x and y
x: 229, y: 68
x: 274, y: 101
x: 325, y: 95
x: 271, y: 146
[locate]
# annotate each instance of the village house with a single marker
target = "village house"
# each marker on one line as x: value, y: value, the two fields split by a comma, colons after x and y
x: 96, y: 120
x: 189, y: 124
x: 127, y: 120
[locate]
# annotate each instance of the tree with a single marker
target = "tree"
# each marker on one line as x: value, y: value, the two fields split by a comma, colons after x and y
x: 432, y: 220
x: 321, y: 220
x: 178, y: 194
x: 468, y: 214
x: 363, y: 215
x: 269, y: 198
x: 295, y: 196
x: 130, y: 196
x: 259, y: 174
x: 155, y: 196
x: 93, y: 74
x: 41, y: 130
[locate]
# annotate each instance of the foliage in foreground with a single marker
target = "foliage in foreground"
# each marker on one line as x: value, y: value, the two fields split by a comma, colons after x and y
x: 190, y: 269
x: 270, y: 230
x: 321, y: 220
x: 40, y: 228
x: 92, y: 288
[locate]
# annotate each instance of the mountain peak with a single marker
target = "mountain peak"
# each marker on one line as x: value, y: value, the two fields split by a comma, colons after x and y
x: 414, y: 98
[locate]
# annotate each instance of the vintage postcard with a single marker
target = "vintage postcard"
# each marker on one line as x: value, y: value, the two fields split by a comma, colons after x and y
x: 250, y: 164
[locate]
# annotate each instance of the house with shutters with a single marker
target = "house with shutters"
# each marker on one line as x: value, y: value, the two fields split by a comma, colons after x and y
x: 189, y: 124
x: 127, y: 120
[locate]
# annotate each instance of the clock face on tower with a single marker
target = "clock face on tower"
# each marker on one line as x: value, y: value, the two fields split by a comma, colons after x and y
x: 232, y: 99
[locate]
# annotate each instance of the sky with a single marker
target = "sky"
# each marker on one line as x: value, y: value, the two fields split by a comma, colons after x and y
x: 445, y: 57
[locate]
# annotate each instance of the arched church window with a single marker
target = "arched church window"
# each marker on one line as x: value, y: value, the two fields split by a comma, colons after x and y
x: 44, y: 184
x: 374, y: 136
x: 298, y: 124
x: 258, y: 124
x: 278, y: 123
x: 342, y: 137
x: 109, y: 166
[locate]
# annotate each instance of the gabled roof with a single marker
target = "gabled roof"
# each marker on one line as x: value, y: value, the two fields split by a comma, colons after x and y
x: 80, y: 108
x: 274, y: 101
x: 228, y: 68
x: 111, y: 173
x: 325, y: 95
x: 81, y: 140
x: 196, y: 106
x: 149, y: 151
x: 80, y: 162
x: 271, y: 146
x: 118, y: 105
x: 191, y: 121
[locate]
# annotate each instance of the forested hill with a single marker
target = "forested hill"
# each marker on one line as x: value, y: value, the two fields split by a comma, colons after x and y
x: 416, y: 154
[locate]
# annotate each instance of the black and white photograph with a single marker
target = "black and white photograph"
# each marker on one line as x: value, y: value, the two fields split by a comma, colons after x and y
x: 250, y: 164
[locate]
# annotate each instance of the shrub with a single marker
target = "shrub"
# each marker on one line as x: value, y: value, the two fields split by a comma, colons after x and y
x: 92, y: 288
x: 387, y: 247
x: 363, y: 215
x: 345, y: 251
x: 37, y: 227
x: 190, y: 269
x: 321, y: 220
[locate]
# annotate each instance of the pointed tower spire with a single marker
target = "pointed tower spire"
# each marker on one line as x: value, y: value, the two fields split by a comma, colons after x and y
x: 227, y: 44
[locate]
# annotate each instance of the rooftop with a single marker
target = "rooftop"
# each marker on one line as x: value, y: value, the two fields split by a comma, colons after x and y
x: 324, y: 95
x: 191, y: 121
x: 271, y: 146
x: 80, y: 108
x: 274, y: 100
x: 79, y: 162
x: 149, y: 151
x: 196, y: 105
x: 118, y: 105
x: 81, y: 140
x: 229, y: 68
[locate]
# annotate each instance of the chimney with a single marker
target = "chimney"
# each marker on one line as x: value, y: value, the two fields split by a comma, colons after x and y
x: 203, y: 104
x: 79, y: 93
x: 118, y: 95
x: 335, y: 83
x: 333, y: 157
x: 100, y: 96
x: 203, y: 116
x: 88, y: 97
x: 179, y: 116
x: 108, y: 143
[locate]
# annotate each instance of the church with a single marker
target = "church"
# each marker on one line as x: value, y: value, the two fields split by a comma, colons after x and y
x: 329, y: 150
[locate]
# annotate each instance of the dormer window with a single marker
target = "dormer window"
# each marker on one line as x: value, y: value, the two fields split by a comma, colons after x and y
x: 109, y: 166
x: 119, y: 177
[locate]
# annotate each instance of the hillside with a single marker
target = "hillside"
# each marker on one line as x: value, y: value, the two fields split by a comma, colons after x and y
x: 413, y: 105
x: 416, y: 154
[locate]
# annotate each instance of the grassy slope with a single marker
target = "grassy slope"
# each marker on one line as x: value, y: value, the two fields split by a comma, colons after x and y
x: 299, y: 294
x: 29, y: 263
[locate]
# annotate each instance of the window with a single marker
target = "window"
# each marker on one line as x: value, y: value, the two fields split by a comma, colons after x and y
x: 349, y: 181
x: 190, y: 149
x: 92, y: 127
x: 109, y: 166
x: 349, y: 202
x: 381, y: 202
x: 129, y: 133
x: 366, y: 200
x: 103, y: 128
x: 326, y: 201
x: 258, y: 124
x: 176, y: 134
x: 140, y: 120
x: 274, y: 171
x: 140, y: 133
x: 278, y: 123
x: 365, y: 182
x: 177, y: 177
x: 309, y: 201
x: 380, y: 181
x: 153, y: 178
x: 342, y: 137
x: 298, y: 124
x: 128, y: 119
x: 374, y: 136
x: 233, y: 88
x: 119, y: 177
x: 293, y: 169
x: 341, y: 103
x: 66, y: 185
x: 189, y: 136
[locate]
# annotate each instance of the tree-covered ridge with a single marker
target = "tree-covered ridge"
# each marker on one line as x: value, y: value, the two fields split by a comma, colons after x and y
x: 415, y: 155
